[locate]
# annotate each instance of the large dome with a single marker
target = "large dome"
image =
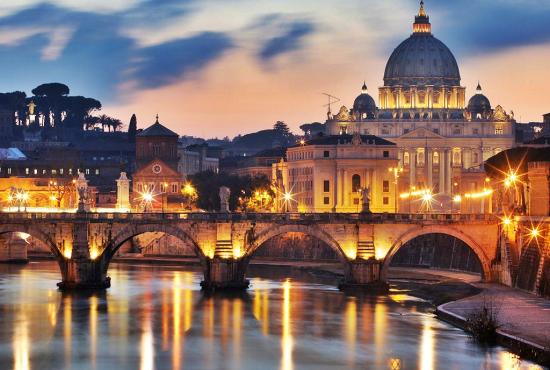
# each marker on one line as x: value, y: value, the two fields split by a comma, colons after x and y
x: 422, y: 59
x: 364, y: 104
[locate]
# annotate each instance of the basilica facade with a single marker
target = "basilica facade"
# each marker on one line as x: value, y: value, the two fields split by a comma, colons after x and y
x: 442, y: 139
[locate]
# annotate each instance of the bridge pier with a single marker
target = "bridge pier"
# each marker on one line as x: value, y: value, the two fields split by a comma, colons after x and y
x: 13, y: 249
x: 79, y: 271
x: 83, y: 274
x: 363, y: 275
x: 225, y: 273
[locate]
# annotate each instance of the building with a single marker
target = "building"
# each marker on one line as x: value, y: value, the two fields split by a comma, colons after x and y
x: 423, y: 109
x: 157, y: 175
x: 328, y: 173
x: 259, y: 164
x: 196, y: 158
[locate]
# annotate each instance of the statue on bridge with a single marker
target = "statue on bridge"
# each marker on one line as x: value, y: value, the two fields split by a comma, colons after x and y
x: 365, y: 196
x: 82, y: 192
x: 224, y: 199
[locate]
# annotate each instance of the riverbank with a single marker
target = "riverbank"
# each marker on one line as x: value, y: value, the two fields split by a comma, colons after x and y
x: 524, y: 318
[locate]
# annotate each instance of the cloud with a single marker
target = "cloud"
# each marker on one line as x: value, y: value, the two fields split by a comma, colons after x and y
x: 290, y: 40
x: 489, y: 26
x: 59, y: 38
x: 163, y: 64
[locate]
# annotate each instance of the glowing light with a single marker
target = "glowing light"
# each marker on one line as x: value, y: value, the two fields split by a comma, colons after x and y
x: 427, y: 197
x: 511, y: 179
x: 457, y: 199
x: 534, y: 232
x: 287, y: 197
x: 67, y: 253
x: 302, y: 142
x: 188, y: 189
x: 506, y: 221
x: 148, y: 197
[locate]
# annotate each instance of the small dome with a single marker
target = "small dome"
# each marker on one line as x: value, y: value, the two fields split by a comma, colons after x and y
x: 479, y: 103
x: 364, y: 103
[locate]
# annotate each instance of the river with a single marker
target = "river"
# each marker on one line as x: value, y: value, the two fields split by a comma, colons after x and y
x: 156, y: 317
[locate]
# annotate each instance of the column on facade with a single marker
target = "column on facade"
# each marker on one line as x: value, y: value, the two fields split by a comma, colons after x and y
x: 442, y: 171
x: 429, y: 166
x: 345, y: 188
x: 336, y: 188
x: 412, y: 167
x: 448, y: 171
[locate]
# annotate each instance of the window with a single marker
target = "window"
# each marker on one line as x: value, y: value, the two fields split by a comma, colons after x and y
x: 436, y: 131
x: 385, y: 201
x: 385, y: 131
x: 355, y: 183
x: 35, y: 171
x: 326, y: 186
x: 475, y: 131
x: 406, y: 131
x: 499, y: 130
x: 457, y: 157
x: 97, y: 171
x: 54, y: 172
x: 386, y: 186
x: 386, y: 154
x: 156, y: 149
x: 87, y: 171
x: 326, y: 200
x: 406, y: 158
x: 9, y: 170
x: 61, y: 171
x: 174, y: 187
x: 475, y: 158
x: 326, y: 154
x: 420, y: 157
x: 457, y: 130
x: 435, y: 158
x: 27, y: 171
x: 70, y: 171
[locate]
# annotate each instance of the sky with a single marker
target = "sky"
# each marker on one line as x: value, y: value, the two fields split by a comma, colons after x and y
x: 215, y: 68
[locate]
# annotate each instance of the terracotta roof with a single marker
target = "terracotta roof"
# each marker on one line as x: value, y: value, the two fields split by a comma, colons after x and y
x: 157, y: 129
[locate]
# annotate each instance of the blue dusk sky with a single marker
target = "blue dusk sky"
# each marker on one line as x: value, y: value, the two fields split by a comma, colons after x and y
x: 217, y: 67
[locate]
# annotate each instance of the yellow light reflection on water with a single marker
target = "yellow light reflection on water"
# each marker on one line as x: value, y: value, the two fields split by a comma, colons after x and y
x: 287, y: 342
x: 380, y: 320
x: 93, y: 330
x: 427, y: 345
x: 237, y: 327
x: 351, y: 329
x: 147, y: 349
x: 176, y: 304
x: 67, y: 329
x: 21, y: 345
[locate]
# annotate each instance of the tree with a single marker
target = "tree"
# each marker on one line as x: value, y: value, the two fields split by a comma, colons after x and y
x: 208, y: 183
x: 50, y: 99
x: 132, y: 129
x: 78, y: 108
x: 281, y: 128
x: 15, y: 102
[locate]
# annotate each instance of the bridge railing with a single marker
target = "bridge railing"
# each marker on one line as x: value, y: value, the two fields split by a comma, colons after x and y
x: 258, y: 217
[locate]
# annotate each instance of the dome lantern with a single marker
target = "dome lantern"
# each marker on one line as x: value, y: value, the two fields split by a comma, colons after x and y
x: 422, y: 21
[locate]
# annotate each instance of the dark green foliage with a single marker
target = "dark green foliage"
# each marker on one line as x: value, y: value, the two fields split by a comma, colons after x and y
x: 208, y: 186
x: 52, y: 89
x: 483, y: 323
x: 132, y: 129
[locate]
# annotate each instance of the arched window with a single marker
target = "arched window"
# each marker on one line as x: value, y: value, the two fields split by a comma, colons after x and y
x: 457, y: 157
x: 435, y: 158
x: 355, y: 183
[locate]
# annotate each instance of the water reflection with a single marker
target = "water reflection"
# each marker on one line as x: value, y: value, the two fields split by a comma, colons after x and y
x: 156, y: 318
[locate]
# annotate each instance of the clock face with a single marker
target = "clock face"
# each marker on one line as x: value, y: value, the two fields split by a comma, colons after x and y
x: 157, y: 168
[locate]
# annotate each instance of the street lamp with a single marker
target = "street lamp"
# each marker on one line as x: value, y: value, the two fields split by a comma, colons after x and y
x: 287, y: 197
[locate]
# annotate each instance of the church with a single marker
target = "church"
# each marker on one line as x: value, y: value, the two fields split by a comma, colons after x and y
x: 442, y: 140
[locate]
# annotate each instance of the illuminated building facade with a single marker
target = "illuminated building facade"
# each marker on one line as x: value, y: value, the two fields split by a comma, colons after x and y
x: 157, y: 168
x: 327, y: 174
x: 423, y: 109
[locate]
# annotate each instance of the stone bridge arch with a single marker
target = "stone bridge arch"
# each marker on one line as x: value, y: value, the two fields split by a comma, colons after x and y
x: 415, y: 232
x: 131, y: 231
x: 36, y: 232
x: 311, y: 230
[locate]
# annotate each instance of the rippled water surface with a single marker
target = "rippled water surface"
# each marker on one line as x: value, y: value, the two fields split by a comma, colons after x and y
x: 157, y: 318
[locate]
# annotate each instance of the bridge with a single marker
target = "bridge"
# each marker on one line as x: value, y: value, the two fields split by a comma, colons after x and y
x: 85, y: 243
